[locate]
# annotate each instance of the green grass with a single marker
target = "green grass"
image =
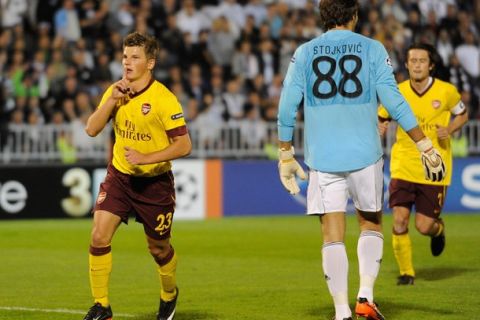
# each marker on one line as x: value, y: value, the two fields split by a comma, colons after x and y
x: 232, y: 268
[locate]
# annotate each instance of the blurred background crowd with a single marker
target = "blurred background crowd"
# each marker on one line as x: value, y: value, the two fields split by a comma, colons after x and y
x: 224, y: 59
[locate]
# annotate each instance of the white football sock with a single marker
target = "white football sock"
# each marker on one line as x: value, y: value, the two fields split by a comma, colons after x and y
x: 369, y: 252
x: 335, y: 268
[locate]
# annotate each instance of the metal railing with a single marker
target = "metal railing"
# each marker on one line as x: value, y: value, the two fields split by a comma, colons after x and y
x: 244, y: 139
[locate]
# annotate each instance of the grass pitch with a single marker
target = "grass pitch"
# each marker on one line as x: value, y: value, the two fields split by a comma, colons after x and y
x: 232, y: 268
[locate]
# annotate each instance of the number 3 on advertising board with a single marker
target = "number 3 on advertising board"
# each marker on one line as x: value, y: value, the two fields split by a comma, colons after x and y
x: 80, y: 201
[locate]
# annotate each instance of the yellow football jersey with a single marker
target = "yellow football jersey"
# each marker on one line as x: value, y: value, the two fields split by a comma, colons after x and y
x: 145, y: 122
x: 431, y: 108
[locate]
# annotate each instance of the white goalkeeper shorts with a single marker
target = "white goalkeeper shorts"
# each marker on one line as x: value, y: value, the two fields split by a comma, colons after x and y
x: 329, y: 192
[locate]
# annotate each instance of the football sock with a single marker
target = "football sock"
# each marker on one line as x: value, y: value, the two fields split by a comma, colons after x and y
x: 167, y: 268
x: 402, y: 249
x: 100, y: 263
x: 369, y: 252
x: 335, y: 268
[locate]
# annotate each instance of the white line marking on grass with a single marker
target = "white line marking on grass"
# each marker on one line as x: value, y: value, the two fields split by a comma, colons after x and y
x: 68, y: 311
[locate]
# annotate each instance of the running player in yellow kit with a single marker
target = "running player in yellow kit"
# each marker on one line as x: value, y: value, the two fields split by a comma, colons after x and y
x: 150, y: 132
x: 440, y: 113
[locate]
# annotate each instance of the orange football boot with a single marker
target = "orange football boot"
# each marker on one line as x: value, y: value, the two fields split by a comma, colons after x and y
x: 367, y: 310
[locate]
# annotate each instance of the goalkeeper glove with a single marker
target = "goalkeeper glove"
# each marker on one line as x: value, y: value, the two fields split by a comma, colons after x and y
x: 432, y: 161
x: 289, y: 168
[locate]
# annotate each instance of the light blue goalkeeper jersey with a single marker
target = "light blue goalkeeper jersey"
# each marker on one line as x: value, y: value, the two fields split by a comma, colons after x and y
x: 339, y: 76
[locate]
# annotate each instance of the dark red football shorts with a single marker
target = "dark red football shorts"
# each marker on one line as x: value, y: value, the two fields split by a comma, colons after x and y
x: 150, y: 199
x: 428, y: 199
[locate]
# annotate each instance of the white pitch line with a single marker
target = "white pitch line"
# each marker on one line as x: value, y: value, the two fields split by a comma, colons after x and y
x: 67, y: 311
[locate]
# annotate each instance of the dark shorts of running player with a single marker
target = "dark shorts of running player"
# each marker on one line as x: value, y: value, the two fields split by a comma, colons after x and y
x: 150, y: 199
x: 428, y: 199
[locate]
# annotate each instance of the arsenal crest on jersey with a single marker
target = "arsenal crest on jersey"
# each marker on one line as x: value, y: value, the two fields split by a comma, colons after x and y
x: 146, y: 107
x: 436, y: 104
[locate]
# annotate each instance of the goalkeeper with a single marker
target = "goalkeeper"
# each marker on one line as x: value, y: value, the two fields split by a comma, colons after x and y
x: 339, y: 76
x: 440, y: 113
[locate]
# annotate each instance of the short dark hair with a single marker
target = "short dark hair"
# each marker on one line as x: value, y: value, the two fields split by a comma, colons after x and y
x: 137, y: 39
x: 432, y: 52
x: 337, y: 12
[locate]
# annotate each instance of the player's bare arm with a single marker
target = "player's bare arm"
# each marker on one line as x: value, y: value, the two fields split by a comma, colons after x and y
x: 416, y: 134
x: 181, y: 146
x: 284, y: 145
x: 455, y: 125
x: 99, y: 118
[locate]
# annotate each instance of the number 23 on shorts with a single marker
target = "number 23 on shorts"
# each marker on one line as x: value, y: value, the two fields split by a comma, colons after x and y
x: 164, y: 223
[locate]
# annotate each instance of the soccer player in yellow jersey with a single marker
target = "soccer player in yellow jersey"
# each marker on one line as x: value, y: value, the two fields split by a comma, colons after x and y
x: 150, y: 132
x: 440, y: 113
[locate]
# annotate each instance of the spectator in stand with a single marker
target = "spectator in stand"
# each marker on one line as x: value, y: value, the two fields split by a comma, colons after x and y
x: 437, y: 6
x: 171, y: 37
x: 287, y: 48
x: 69, y: 91
x: 253, y: 128
x: 244, y: 61
x: 444, y: 45
x: 13, y: 12
x: 101, y: 73
x: 33, y: 107
x: 458, y: 76
x: 122, y: 18
x: 450, y: 24
x: 164, y: 61
x: 268, y: 60
x: 257, y: 10
x: 394, y: 8
x: 250, y: 31
x: 221, y: 43
x: 17, y: 117
x: 67, y: 22
x: 233, y: 12
x: 115, y: 65
x: 190, y: 20
x: 68, y: 109
x: 93, y: 17
x: 468, y: 54
x: 234, y: 100
x: 195, y: 83
x: 275, y: 87
x: 83, y: 103
x: 414, y: 24
x: 58, y: 65
x: 210, y: 119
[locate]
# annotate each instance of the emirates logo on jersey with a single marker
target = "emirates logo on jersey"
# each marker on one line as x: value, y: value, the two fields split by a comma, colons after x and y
x: 436, y: 104
x: 146, y: 107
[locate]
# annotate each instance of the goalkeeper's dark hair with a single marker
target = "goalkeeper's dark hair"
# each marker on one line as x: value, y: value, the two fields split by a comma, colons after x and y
x: 438, y: 69
x: 149, y: 43
x: 337, y: 12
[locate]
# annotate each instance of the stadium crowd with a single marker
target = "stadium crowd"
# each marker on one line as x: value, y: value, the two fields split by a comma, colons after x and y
x: 224, y: 60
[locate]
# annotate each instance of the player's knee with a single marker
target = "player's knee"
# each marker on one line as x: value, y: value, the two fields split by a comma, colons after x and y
x: 400, y: 225
x: 424, y: 228
x: 100, y: 239
x: 159, y: 250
